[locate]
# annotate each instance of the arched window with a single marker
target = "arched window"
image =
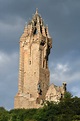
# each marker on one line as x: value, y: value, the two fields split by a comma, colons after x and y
x: 35, y: 31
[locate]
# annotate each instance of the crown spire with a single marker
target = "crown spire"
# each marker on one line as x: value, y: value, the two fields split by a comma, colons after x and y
x: 36, y: 10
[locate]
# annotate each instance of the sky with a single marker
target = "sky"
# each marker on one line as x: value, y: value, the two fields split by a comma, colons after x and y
x: 63, y: 20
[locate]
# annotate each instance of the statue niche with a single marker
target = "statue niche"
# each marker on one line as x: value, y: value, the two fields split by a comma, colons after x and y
x: 39, y: 89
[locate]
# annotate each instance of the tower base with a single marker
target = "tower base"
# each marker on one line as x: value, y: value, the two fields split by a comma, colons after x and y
x: 23, y: 101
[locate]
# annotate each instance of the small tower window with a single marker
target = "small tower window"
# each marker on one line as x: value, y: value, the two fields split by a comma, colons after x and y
x: 45, y: 32
x: 41, y: 29
x: 35, y: 31
x: 39, y: 89
x: 42, y: 43
x: 44, y: 64
x: 34, y: 23
x: 29, y: 62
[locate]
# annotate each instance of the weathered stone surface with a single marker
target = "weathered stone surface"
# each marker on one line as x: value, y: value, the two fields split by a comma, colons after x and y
x: 55, y: 93
x: 35, y: 45
x: 34, y: 75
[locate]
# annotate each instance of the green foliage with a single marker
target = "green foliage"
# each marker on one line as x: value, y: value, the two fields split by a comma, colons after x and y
x: 67, y: 110
x: 4, y: 116
x: 67, y: 95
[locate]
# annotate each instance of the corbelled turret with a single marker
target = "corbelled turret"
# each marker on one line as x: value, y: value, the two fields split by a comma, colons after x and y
x: 36, y: 28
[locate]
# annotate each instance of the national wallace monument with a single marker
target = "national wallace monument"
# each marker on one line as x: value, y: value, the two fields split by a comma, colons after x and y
x: 34, y: 87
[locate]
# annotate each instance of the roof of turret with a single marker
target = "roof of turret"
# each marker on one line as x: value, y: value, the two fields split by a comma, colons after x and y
x: 36, y: 18
x: 36, y: 26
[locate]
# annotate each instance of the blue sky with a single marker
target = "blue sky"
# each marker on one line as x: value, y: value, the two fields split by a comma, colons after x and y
x: 63, y: 20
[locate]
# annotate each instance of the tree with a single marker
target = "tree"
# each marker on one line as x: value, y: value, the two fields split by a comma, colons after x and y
x: 67, y: 95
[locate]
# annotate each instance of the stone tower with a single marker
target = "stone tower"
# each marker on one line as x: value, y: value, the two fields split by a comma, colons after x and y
x: 34, y: 75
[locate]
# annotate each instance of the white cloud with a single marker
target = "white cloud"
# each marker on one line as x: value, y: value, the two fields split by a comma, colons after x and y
x: 62, y: 68
x: 76, y: 91
x: 64, y: 73
x: 7, y: 28
x: 8, y: 62
x: 59, y: 73
x: 8, y: 78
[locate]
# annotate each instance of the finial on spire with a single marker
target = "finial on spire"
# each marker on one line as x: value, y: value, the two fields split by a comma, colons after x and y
x: 36, y: 10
